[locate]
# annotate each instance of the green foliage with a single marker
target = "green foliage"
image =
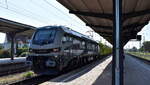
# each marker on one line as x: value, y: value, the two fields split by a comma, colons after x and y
x: 1, y: 47
x: 4, y: 54
x: 134, y: 49
x: 24, y: 54
x: 146, y: 46
x: 141, y: 55
x: 29, y: 74
x: 104, y: 49
x: 25, y: 46
x: 21, y: 50
x: 141, y: 49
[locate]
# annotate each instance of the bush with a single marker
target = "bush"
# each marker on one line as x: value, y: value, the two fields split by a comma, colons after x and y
x: 24, y: 54
x: 1, y: 47
x: 21, y: 50
x: 4, y: 54
x: 29, y: 74
x: 104, y: 49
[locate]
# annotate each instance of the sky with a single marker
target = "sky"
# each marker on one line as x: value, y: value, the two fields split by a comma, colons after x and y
x: 145, y: 32
x: 50, y: 12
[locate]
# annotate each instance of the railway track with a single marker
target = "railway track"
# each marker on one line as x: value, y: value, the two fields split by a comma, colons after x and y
x: 34, y: 80
x: 43, y: 78
x: 40, y: 79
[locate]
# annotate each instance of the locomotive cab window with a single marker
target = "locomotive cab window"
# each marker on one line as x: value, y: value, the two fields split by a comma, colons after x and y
x: 83, y: 45
x: 44, y: 36
x: 66, y: 38
x: 93, y: 47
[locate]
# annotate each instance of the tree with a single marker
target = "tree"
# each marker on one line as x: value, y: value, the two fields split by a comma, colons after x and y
x: 1, y: 47
x: 133, y: 49
x: 141, y: 49
x: 104, y: 49
x: 146, y: 46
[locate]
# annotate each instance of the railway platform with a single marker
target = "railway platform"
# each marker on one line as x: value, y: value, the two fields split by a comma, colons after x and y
x: 8, y: 66
x: 9, y: 61
x: 100, y: 73
x: 136, y: 73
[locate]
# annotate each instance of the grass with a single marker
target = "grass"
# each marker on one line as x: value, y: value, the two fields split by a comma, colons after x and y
x: 28, y: 74
x: 141, y: 55
x: 4, y: 80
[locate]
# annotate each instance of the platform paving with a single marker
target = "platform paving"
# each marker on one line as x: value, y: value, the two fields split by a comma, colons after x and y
x: 136, y: 73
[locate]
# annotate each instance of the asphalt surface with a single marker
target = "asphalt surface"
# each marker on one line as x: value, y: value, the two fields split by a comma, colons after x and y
x: 99, y: 73
x: 136, y: 72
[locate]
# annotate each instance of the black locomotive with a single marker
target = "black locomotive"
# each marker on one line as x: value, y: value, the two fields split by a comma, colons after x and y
x: 55, y: 48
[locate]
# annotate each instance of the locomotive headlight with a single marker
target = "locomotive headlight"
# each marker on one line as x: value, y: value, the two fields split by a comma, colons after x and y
x: 56, y: 50
x: 56, y: 56
x: 50, y: 63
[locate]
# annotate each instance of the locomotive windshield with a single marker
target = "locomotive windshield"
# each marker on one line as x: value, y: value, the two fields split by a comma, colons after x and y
x: 44, y: 36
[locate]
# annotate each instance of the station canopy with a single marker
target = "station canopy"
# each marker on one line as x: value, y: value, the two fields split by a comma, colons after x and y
x: 98, y: 14
x: 15, y: 28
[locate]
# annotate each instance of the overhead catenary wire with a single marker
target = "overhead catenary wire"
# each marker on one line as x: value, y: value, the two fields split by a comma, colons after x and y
x: 6, y: 3
x: 60, y: 11
x: 41, y: 7
x: 16, y: 12
x: 14, y: 8
x: 37, y: 16
x: 29, y: 13
x: 72, y: 24
x: 26, y: 13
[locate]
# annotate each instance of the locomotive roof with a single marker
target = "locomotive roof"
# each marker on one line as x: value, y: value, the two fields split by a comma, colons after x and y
x: 73, y: 32
x: 69, y: 31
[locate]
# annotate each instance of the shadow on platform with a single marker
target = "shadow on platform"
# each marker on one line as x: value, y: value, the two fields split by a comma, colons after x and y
x: 89, y: 68
x: 105, y: 77
x: 136, y: 72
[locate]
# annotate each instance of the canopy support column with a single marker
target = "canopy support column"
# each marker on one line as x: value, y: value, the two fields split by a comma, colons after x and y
x: 12, y: 36
x: 117, y: 67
